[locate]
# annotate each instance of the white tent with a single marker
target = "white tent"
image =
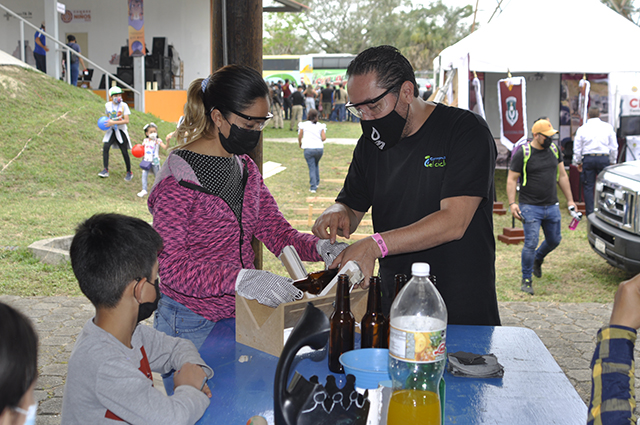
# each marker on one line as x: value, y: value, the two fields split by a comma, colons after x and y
x: 546, y: 37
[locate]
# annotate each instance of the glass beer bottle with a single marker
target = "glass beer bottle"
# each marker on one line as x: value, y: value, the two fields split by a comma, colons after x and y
x: 417, y: 355
x: 374, y: 325
x: 401, y: 279
x: 315, y: 282
x: 342, y: 326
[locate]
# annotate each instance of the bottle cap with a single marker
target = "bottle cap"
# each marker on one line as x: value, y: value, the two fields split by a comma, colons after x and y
x: 420, y: 269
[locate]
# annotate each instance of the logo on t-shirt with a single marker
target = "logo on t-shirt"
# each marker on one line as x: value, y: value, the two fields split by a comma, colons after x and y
x: 435, y: 161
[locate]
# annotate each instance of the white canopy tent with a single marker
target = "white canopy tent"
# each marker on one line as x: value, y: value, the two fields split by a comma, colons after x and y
x: 546, y: 37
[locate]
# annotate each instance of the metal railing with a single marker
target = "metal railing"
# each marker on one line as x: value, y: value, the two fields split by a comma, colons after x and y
x: 68, y: 51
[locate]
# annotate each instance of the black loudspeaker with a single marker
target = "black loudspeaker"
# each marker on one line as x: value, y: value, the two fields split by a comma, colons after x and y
x: 159, y: 46
x: 157, y: 76
x: 166, y: 63
x: 125, y: 59
x: 125, y: 74
x: 166, y: 79
x: 101, y: 86
x: 151, y: 61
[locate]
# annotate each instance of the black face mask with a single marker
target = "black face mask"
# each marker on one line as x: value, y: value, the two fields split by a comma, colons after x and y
x: 145, y: 310
x: 240, y: 140
x: 546, y: 142
x: 384, y: 132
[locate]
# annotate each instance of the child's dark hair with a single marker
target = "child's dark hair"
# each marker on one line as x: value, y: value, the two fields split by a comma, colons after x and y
x: 313, y: 116
x: 109, y: 251
x: 18, y: 356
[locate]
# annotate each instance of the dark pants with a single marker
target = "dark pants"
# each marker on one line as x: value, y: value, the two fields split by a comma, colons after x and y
x: 41, y: 62
x: 124, y: 148
x: 286, y: 105
x: 591, y: 167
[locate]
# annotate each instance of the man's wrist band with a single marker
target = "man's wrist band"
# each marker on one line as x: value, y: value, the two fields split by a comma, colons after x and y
x: 383, y: 247
x: 512, y: 203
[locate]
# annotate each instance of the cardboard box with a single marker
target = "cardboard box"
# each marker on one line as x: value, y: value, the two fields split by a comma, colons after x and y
x: 263, y: 327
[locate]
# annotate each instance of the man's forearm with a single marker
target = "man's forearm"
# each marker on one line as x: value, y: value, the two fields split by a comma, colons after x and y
x: 446, y: 225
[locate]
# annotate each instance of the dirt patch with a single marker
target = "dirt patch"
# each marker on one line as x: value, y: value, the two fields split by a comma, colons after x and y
x: 11, y: 85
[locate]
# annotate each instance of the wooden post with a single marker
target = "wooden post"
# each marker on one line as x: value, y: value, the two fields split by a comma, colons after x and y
x: 243, y: 39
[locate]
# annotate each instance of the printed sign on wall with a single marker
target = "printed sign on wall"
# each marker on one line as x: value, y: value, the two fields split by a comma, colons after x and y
x: 136, y: 28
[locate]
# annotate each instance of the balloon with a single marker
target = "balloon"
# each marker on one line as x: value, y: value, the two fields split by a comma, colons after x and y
x: 102, y: 123
x: 137, y: 151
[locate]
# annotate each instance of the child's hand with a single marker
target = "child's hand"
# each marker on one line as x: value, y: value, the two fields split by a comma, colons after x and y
x: 191, y: 374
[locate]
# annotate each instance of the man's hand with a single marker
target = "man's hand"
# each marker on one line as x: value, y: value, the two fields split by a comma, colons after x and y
x: 515, y: 211
x: 364, y: 252
x: 191, y: 374
x: 626, y: 307
x: 579, y: 166
x: 336, y: 219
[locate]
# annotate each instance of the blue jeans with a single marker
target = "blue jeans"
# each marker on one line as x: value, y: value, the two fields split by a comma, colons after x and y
x: 341, y: 111
x: 591, y: 167
x: 313, y: 159
x: 75, y: 70
x: 176, y: 320
x: 145, y: 174
x: 532, y: 218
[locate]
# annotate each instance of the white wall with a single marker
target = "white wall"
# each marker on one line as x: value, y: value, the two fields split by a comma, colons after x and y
x: 543, y: 99
x: 186, y: 25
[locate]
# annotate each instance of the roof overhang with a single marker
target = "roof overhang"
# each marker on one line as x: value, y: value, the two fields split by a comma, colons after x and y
x: 287, y: 6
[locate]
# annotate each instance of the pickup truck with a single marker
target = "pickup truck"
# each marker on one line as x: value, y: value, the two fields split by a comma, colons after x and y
x: 614, y: 226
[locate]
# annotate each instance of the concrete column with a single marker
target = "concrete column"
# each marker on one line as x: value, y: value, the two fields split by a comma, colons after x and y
x: 138, y: 82
x: 51, y: 20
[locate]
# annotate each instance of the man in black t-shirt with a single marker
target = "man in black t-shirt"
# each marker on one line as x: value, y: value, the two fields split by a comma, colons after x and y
x: 426, y: 171
x: 297, y: 106
x: 540, y: 165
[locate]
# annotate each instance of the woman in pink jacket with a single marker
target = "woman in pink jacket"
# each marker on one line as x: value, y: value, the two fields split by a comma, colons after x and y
x: 209, y: 201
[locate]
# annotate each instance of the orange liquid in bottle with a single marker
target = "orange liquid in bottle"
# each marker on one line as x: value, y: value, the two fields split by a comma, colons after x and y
x: 414, y: 407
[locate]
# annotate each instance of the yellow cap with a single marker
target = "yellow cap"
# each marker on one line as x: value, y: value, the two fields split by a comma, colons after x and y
x: 544, y: 127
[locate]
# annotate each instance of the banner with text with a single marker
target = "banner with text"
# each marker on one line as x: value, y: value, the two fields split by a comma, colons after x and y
x: 513, y: 111
x: 136, y: 28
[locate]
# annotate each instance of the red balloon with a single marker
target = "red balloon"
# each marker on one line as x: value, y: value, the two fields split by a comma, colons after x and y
x: 137, y: 151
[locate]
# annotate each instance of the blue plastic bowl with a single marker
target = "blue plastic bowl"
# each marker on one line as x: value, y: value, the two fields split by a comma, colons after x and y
x: 368, y: 365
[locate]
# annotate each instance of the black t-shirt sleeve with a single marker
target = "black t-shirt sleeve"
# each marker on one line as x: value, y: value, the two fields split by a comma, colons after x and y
x: 355, y: 192
x: 517, y: 161
x: 470, y: 160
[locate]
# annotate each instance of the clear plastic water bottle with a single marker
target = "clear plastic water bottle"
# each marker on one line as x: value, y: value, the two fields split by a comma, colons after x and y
x: 576, y: 216
x: 417, y: 355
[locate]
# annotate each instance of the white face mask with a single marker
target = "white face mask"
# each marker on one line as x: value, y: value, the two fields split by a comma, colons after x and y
x: 153, y: 136
x: 30, y: 414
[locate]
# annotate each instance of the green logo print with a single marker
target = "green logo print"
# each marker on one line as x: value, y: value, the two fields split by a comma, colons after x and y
x: 435, y: 161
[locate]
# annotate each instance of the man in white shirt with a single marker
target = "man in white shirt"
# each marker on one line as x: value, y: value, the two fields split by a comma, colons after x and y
x: 595, y: 147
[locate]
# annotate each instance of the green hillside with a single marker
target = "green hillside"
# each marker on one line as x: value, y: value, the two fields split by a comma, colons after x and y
x: 50, y: 155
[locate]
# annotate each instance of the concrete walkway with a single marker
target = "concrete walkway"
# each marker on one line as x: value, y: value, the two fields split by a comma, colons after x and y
x: 567, y: 330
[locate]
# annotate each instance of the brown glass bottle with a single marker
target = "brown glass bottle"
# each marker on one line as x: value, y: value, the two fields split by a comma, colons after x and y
x: 401, y: 279
x: 315, y: 282
x: 374, y: 325
x: 343, y: 325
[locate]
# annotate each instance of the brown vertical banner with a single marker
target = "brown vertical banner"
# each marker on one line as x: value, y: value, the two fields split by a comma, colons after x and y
x: 136, y: 28
x: 513, y: 113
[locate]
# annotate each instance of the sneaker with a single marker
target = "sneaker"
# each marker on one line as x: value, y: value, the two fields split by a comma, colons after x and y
x: 128, y: 177
x: 142, y: 193
x: 537, y: 270
x: 526, y: 286
x: 312, y: 191
x: 104, y: 173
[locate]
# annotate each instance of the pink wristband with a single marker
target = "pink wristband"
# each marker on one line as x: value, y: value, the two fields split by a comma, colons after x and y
x: 383, y: 247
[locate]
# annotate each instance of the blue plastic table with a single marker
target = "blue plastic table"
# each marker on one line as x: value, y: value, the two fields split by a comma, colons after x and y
x: 534, y: 390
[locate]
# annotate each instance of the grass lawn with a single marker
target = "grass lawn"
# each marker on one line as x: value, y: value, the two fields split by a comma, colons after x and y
x: 51, y: 152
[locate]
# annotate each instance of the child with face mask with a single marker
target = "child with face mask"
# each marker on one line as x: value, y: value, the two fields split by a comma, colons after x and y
x: 114, y: 258
x: 209, y: 201
x: 18, y: 368
x: 117, y: 133
x: 151, y: 160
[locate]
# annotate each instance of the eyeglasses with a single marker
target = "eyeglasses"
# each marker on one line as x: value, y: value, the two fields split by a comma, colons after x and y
x: 260, y: 122
x: 355, y: 109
